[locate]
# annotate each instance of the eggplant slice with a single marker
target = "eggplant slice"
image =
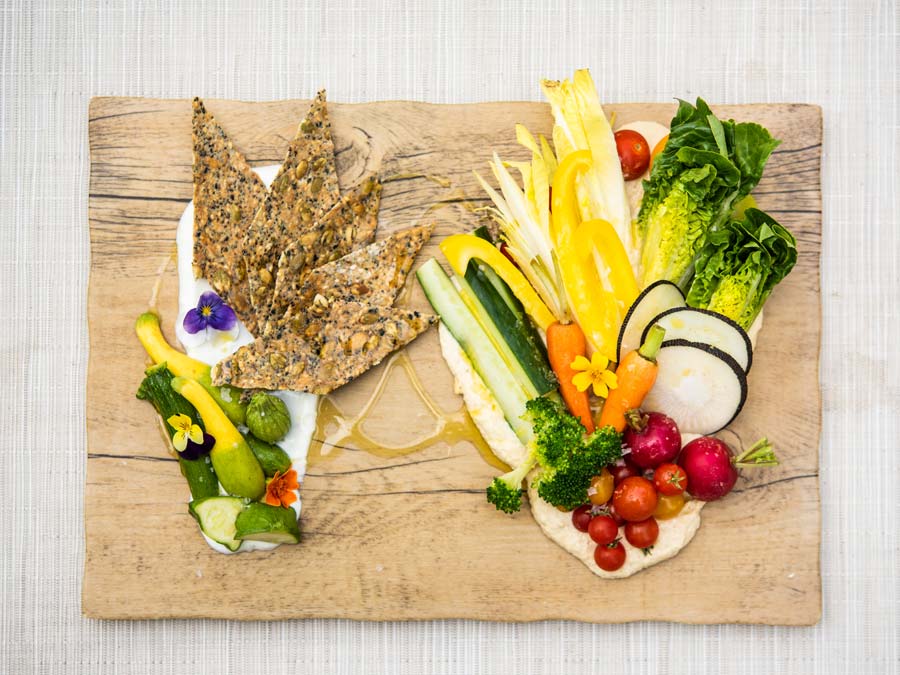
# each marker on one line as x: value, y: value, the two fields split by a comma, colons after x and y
x: 699, y: 386
x: 706, y: 327
x: 658, y: 297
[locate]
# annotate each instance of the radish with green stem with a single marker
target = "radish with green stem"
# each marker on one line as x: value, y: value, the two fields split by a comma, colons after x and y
x: 712, y: 468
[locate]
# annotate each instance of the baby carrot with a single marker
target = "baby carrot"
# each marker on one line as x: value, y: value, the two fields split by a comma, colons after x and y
x: 636, y: 374
x: 565, y: 341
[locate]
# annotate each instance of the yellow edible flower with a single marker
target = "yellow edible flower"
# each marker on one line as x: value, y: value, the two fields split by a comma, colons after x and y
x: 185, y: 430
x: 594, y: 372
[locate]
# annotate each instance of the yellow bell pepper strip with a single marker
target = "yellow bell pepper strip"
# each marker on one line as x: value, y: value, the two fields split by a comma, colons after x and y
x: 598, y: 237
x: 182, y: 365
x: 595, y: 309
x: 459, y: 249
x: 236, y: 466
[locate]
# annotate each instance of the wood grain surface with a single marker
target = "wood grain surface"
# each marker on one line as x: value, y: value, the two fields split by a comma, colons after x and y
x: 411, y: 536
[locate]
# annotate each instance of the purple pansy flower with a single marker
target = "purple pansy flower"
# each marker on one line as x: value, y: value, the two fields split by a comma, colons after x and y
x: 198, y: 450
x: 211, y: 311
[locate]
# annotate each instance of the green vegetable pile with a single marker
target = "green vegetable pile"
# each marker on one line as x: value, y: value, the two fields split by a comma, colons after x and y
x: 739, y: 266
x: 707, y: 166
x: 567, y: 459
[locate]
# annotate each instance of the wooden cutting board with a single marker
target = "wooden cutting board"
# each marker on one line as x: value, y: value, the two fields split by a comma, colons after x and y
x: 391, y: 536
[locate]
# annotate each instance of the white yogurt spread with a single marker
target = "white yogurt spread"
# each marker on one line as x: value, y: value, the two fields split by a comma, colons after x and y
x: 674, y: 534
x: 213, y: 346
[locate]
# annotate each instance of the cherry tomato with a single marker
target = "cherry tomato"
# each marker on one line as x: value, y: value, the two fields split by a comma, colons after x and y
x: 668, y: 506
x: 634, y: 153
x: 611, y: 510
x: 610, y: 557
x: 603, y: 529
x: 643, y: 533
x: 622, y: 469
x: 658, y: 148
x: 581, y: 517
x: 670, y: 479
x: 635, y: 498
x: 601, y: 488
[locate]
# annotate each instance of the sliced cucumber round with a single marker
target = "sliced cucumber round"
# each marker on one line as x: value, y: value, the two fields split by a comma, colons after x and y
x: 699, y: 386
x: 658, y: 297
x: 706, y: 327
x: 217, y: 517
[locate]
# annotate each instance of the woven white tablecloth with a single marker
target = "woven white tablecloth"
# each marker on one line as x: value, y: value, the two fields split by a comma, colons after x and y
x: 55, y: 56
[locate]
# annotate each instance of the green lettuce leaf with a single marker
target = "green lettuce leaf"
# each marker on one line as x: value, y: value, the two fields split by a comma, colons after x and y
x: 740, y: 264
x: 729, y: 157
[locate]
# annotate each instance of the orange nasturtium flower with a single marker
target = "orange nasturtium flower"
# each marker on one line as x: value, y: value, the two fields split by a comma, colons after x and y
x: 281, y: 489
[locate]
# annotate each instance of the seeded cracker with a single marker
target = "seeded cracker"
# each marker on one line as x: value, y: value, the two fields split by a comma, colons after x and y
x: 347, y: 227
x: 305, y: 189
x: 372, y: 275
x: 227, y: 194
x: 360, y: 337
x: 351, y: 224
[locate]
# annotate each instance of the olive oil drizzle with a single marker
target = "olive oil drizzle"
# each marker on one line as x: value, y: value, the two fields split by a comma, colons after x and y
x: 336, y: 432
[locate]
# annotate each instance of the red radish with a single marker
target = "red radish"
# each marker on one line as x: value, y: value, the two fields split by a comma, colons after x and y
x: 652, y: 437
x: 712, y: 468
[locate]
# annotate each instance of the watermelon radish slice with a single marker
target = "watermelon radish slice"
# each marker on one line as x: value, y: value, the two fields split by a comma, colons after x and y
x: 699, y: 386
x: 654, y: 300
x: 709, y: 328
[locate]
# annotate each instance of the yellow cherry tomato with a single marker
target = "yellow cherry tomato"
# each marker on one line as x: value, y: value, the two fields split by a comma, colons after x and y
x: 668, y: 506
x: 601, y: 488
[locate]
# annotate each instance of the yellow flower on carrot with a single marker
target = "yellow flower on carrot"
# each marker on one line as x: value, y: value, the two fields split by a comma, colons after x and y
x: 594, y: 373
x: 185, y: 430
x: 281, y: 489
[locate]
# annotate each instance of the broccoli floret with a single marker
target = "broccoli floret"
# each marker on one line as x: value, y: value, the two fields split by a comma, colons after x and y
x: 506, y: 491
x: 566, y: 483
x: 567, y: 458
x: 555, y: 431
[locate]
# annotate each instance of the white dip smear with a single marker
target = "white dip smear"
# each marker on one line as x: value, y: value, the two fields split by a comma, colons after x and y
x: 215, y: 345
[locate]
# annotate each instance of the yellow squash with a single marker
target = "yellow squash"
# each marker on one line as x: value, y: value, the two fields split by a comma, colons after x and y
x: 236, y: 466
x: 180, y: 364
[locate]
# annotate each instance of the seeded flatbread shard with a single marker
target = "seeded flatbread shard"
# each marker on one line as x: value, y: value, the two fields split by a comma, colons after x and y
x: 305, y: 189
x: 348, y: 226
x: 359, y: 337
x: 351, y: 224
x: 373, y: 275
x: 227, y: 195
